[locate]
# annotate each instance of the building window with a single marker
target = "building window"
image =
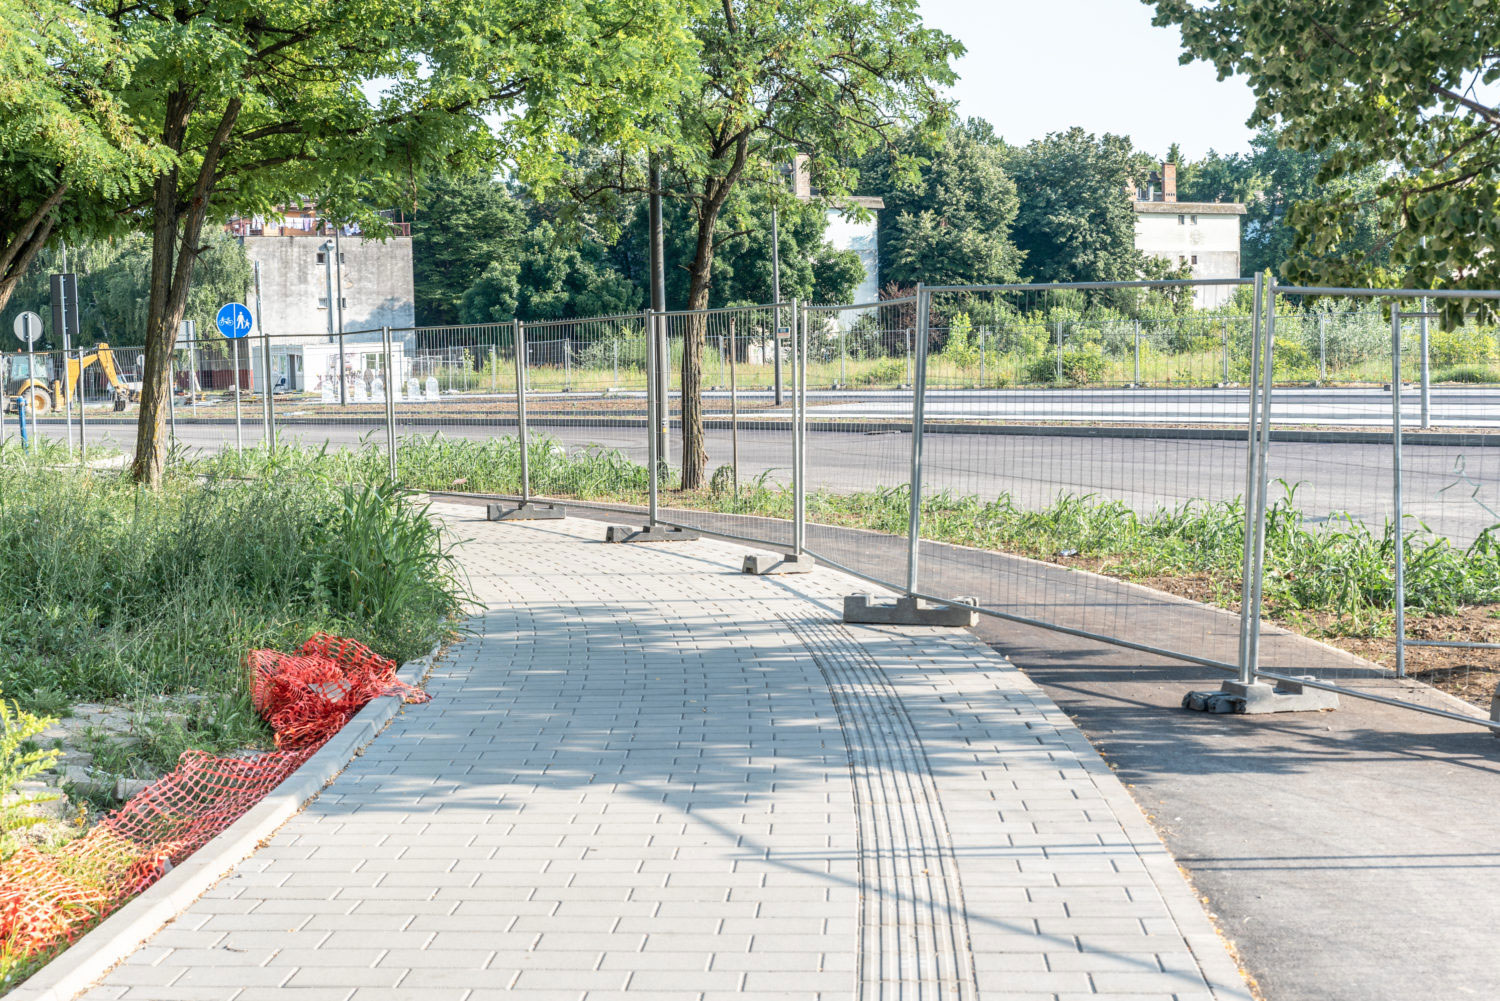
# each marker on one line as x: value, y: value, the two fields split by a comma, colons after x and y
x: 1195, y: 220
x: 1195, y: 258
x: 1182, y: 220
x: 322, y: 302
x: 322, y: 257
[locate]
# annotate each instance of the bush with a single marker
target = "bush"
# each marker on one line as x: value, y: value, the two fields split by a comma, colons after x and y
x: 1466, y: 345
x: 20, y: 760
x: 1476, y: 374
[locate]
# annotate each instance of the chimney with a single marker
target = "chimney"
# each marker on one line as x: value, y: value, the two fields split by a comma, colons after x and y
x: 801, y: 177
x: 1168, y: 181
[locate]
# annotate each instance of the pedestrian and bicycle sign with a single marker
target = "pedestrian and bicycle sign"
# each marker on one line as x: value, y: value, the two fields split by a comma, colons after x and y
x: 233, y: 320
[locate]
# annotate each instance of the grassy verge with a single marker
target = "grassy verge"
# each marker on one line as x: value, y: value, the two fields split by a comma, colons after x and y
x: 1332, y: 580
x: 152, y: 599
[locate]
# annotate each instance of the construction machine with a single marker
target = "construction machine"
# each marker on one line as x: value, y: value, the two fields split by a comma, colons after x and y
x: 44, y: 390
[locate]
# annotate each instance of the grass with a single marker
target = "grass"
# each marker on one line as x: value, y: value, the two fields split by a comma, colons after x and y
x: 1333, y: 577
x: 114, y: 593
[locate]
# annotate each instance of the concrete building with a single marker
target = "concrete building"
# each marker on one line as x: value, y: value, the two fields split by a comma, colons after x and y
x: 1202, y: 236
x: 845, y: 232
x: 301, y: 278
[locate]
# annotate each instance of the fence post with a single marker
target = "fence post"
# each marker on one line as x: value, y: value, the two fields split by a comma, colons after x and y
x: 799, y: 413
x: 567, y: 364
x: 193, y: 384
x: 82, y: 421
x: 343, y: 372
x: 616, y: 382
x: 390, y: 404
x: 843, y: 357
x: 1058, y: 336
x: 171, y: 400
x: 1226, y: 352
x: 1396, y: 499
x: 1322, y: 347
x: 1426, y: 371
x: 1138, y: 346
x: 734, y: 413
x: 1252, y: 510
x: 1258, y: 562
x: 981, y: 358
x: 521, y: 436
x: 918, y: 411
x: 267, y: 413
x: 653, y: 405
x: 776, y: 356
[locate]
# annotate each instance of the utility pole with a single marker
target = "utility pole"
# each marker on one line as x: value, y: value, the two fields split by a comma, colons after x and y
x: 658, y: 327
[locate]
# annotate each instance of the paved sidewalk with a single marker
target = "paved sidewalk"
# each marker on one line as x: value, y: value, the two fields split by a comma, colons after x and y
x: 646, y: 775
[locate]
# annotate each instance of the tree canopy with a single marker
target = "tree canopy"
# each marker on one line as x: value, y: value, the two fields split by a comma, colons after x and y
x: 1076, y: 221
x: 948, y: 220
x: 351, y: 103
x: 1383, y: 84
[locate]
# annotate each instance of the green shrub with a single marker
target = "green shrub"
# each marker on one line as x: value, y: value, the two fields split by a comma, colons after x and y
x: 1467, y: 373
x: 1466, y: 345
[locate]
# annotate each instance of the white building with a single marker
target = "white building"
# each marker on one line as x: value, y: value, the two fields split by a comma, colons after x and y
x: 300, y: 281
x: 845, y: 232
x: 1202, y: 236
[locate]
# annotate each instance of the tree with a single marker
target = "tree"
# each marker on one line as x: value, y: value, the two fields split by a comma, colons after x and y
x: 545, y: 277
x: 1271, y: 180
x: 67, y: 152
x: 258, y: 105
x: 1366, y: 85
x: 826, y: 78
x: 1076, y: 221
x: 949, y: 222
x: 462, y: 226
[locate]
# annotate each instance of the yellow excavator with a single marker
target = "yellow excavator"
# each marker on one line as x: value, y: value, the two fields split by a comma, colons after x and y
x: 44, y: 390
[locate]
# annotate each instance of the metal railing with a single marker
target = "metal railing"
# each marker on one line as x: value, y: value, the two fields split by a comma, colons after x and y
x: 1013, y: 443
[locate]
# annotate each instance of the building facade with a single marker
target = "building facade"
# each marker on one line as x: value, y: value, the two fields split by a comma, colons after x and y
x: 1201, y: 236
x: 845, y: 231
x: 315, y: 284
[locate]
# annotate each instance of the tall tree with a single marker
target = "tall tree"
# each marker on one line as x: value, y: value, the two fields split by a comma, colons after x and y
x: 826, y: 78
x: 260, y: 104
x: 67, y: 152
x: 1367, y: 84
x: 461, y: 227
x: 1076, y: 222
x: 948, y: 222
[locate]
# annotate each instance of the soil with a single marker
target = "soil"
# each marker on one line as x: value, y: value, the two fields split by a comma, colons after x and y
x: 1471, y: 675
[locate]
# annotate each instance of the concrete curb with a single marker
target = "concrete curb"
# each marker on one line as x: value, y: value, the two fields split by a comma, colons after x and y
x: 124, y: 931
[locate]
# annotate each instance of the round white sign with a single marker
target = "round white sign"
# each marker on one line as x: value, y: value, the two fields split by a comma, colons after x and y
x: 28, y: 323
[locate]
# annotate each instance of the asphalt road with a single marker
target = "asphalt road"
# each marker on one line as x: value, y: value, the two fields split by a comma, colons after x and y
x: 1452, y: 489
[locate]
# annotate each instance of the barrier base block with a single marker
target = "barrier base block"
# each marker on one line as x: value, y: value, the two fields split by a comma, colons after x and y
x: 527, y: 511
x: 778, y: 563
x: 649, y: 533
x: 866, y: 609
x: 1258, y: 697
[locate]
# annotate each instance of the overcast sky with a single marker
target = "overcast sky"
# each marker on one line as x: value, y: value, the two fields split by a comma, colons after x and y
x: 1039, y: 66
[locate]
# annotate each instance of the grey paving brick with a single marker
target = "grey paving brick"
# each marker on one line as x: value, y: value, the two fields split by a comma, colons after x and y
x: 634, y: 781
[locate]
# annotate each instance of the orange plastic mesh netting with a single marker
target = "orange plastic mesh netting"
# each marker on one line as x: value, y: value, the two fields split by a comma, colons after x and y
x: 47, y: 898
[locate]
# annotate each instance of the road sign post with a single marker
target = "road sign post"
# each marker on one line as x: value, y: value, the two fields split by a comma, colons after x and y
x: 28, y: 327
x: 64, y: 289
x: 233, y: 321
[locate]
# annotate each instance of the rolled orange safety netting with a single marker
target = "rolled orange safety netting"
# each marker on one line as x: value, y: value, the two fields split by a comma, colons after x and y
x: 48, y: 898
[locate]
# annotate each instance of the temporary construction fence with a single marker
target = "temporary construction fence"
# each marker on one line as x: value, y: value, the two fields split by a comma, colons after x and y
x: 48, y: 898
x: 1018, y: 444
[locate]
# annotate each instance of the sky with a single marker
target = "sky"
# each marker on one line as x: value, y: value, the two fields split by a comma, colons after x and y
x: 1039, y: 66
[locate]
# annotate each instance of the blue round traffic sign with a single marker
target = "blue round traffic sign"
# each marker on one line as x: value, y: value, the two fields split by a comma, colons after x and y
x: 233, y: 320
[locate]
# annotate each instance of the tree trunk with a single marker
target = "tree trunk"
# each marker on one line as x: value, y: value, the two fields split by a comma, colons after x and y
x: 171, y: 278
x: 695, y: 335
